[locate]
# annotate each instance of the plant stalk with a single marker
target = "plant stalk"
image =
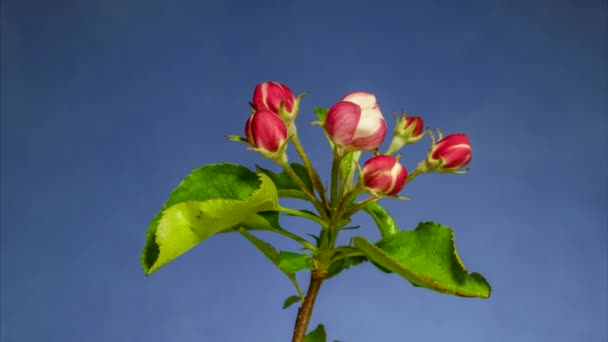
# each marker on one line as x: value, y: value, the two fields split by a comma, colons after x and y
x: 305, y: 311
x: 316, y: 180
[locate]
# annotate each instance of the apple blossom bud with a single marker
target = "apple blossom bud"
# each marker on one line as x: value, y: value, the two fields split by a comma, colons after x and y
x: 356, y: 122
x: 450, y: 153
x: 384, y: 175
x: 266, y: 131
x: 407, y: 131
x: 412, y: 128
x: 270, y: 96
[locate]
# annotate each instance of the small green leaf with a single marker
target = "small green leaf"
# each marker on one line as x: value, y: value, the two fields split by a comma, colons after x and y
x: 385, y: 222
x: 317, y: 335
x: 271, y: 253
x: 284, y: 182
x: 340, y: 265
x: 321, y: 113
x: 289, y: 301
x: 294, y: 262
x: 427, y: 257
x: 210, y: 200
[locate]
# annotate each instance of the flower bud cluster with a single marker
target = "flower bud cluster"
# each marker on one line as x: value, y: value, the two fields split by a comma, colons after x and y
x: 274, y: 105
x: 354, y: 123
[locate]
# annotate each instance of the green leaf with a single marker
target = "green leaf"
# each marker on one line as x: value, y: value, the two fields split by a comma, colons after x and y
x: 347, y: 169
x: 283, y: 181
x: 385, y: 222
x: 294, y: 262
x: 340, y: 265
x: 321, y: 113
x: 210, y: 200
x: 289, y: 301
x: 427, y: 257
x: 271, y: 253
x: 317, y: 335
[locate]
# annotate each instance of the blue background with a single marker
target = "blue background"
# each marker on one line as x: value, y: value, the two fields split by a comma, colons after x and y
x: 107, y: 105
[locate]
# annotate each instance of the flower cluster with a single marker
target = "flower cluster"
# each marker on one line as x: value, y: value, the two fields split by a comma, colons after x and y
x: 354, y: 123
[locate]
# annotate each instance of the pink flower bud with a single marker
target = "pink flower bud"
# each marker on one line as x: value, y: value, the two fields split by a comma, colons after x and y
x: 356, y: 122
x: 407, y: 131
x: 412, y: 129
x: 269, y: 95
x: 266, y: 131
x: 384, y: 175
x: 451, y: 152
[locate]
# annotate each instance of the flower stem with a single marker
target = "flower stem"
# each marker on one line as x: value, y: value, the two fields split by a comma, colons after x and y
x: 320, y: 208
x: 303, y: 214
x: 305, y: 310
x: 360, y: 206
x: 316, y: 180
x: 335, y: 172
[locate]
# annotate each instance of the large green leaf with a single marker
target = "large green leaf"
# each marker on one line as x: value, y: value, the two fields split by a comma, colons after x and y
x: 211, y: 199
x: 426, y: 257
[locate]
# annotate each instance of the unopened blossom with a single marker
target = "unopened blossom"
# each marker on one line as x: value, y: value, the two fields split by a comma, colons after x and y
x: 356, y: 122
x: 384, y: 175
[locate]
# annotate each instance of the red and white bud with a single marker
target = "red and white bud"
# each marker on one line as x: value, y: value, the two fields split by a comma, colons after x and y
x: 450, y: 153
x: 271, y: 96
x: 356, y: 122
x: 411, y: 128
x: 266, y: 132
x: 384, y: 175
x: 408, y: 131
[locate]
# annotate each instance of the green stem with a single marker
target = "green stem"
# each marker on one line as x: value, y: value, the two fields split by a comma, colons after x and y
x: 422, y: 167
x: 360, y: 206
x: 316, y: 180
x: 349, y: 197
x: 295, y: 237
x: 303, y: 214
x: 335, y: 172
x: 320, y: 208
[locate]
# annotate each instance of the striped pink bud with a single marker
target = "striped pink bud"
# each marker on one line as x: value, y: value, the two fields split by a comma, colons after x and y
x: 266, y: 131
x: 270, y: 95
x: 356, y: 122
x: 384, y: 175
x: 451, y: 153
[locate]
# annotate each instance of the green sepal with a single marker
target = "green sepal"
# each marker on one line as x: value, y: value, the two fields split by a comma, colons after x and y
x: 321, y: 113
x: 291, y: 300
x: 427, y: 257
x: 210, y: 200
x: 294, y: 262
